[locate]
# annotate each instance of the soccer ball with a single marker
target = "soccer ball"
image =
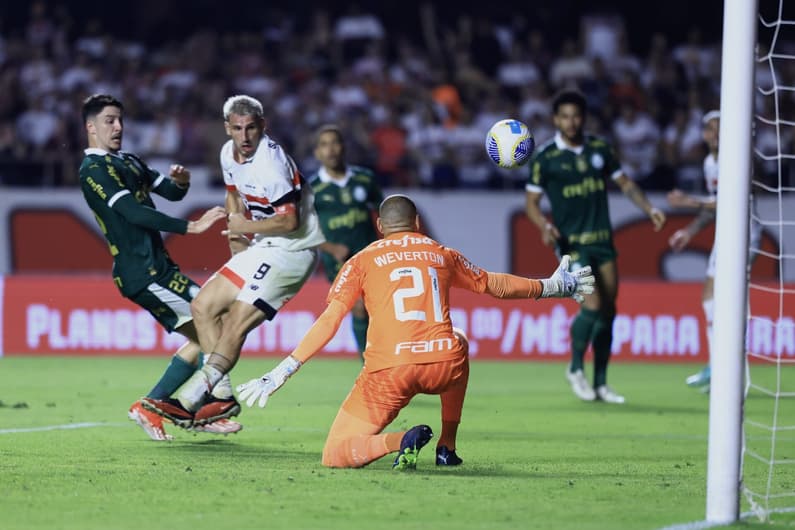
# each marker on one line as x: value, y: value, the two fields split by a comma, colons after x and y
x: 509, y: 143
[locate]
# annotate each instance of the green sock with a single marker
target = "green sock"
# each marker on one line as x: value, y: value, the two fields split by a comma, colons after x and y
x: 360, y: 332
x: 177, y: 372
x: 581, y: 330
x: 602, y: 340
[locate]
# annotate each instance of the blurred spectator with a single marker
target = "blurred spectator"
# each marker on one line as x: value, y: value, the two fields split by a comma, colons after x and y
x: 570, y: 68
x: 37, y: 127
x: 602, y: 34
x: 637, y: 139
x: 391, y: 152
x: 355, y: 29
x: 414, y: 96
x: 518, y: 70
x: 683, y: 150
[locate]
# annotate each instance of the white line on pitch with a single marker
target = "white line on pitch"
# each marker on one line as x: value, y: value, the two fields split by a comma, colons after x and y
x: 66, y: 426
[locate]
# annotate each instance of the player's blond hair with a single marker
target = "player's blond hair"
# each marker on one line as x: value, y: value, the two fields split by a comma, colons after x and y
x: 243, y: 106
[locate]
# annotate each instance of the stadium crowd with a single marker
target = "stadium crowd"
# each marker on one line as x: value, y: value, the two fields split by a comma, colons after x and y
x: 414, y: 105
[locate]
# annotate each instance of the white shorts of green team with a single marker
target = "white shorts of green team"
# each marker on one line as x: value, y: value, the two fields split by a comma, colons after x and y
x: 270, y: 276
x: 754, y: 240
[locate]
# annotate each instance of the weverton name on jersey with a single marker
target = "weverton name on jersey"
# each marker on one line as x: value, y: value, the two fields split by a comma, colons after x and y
x: 417, y: 255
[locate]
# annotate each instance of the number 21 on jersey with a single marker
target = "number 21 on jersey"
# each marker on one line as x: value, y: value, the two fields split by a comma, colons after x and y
x: 417, y: 290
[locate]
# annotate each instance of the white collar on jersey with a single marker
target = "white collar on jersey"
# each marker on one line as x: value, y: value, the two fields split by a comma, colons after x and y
x: 324, y: 176
x: 561, y: 144
x: 100, y: 152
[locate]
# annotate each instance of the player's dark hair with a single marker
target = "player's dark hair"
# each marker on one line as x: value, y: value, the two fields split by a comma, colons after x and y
x: 569, y: 97
x: 329, y: 127
x: 397, y: 209
x: 94, y: 104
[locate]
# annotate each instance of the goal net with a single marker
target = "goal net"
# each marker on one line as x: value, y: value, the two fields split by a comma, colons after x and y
x: 768, y: 452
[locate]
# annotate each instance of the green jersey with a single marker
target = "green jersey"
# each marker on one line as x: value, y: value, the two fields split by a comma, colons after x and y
x: 575, y: 182
x: 344, y: 208
x: 116, y: 188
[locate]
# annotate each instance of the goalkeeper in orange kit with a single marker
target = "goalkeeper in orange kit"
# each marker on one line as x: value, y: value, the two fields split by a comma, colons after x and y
x: 412, y: 347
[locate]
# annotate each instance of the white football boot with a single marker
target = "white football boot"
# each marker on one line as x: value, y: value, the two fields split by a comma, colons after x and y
x: 580, y: 386
x: 608, y: 395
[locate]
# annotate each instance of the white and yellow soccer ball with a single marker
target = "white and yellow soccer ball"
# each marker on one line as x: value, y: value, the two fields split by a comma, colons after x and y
x: 510, y: 143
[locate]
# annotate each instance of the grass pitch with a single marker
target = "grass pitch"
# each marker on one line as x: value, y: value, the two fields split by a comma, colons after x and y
x: 534, y: 456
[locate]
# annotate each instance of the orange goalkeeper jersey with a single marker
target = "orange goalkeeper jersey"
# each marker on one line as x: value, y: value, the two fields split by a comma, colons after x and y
x: 405, y: 282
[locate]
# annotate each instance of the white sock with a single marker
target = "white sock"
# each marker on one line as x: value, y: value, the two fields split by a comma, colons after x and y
x: 223, y: 389
x: 192, y: 392
x: 213, y: 374
x: 709, y: 310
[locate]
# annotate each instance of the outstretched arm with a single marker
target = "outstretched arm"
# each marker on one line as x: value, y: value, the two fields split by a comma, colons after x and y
x: 679, y: 240
x: 234, y: 205
x: 638, y: 198
x: 549, y: 232
x: 321, y: 332
x: 141, y: 215
x: 562, y: 284
x: 175, y: 186
x: 680, y: 199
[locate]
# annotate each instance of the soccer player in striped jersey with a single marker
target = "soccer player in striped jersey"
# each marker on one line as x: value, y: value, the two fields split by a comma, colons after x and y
x: 706, y: 207
x: 412, y: 347
x: 573, y: 170
x: 262, y: 181
x: 346, y: 196
x: 117, y: 186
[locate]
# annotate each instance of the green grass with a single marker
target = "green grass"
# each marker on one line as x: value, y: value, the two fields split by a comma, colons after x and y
x: 535, y: 457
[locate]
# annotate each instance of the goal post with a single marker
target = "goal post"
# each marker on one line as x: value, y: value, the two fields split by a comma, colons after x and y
x: 728, y: 356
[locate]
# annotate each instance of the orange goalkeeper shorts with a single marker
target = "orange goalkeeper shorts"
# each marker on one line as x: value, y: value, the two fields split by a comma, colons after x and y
x: 378, y: 397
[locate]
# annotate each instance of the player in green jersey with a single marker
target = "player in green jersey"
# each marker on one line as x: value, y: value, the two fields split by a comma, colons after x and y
x: 117, y: 187
x: 573, y: 170
x: 346, y: 197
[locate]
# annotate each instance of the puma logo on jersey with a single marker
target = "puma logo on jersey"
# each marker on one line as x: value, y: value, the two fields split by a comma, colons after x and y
x: 469, y: 265
x: 424, y: 346
x: 342, y: 279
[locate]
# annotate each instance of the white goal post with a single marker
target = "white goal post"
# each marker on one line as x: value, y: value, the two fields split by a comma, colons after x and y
x: 731, y: 240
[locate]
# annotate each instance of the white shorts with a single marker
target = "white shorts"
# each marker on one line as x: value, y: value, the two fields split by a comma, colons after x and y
x: 268, y: 277
x: 755, y: 238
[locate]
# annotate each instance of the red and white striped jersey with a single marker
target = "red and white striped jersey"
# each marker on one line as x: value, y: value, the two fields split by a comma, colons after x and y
x: 269, y: 184
x: 711, y: 174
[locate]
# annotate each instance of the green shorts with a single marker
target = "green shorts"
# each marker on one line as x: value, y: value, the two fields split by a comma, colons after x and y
x: 593, y: 255
x: 168, y: 299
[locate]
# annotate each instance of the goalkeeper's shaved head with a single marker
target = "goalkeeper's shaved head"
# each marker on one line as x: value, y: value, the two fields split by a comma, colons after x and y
x: 397, y: 213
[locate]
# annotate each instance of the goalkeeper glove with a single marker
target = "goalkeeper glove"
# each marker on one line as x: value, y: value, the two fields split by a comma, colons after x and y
x: 269, y: 383
x: 565, y: 284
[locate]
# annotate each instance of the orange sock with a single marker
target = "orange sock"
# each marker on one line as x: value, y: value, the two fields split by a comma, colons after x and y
x: 449, y: 433
x: 452, y: 405
x: 353, y: 442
